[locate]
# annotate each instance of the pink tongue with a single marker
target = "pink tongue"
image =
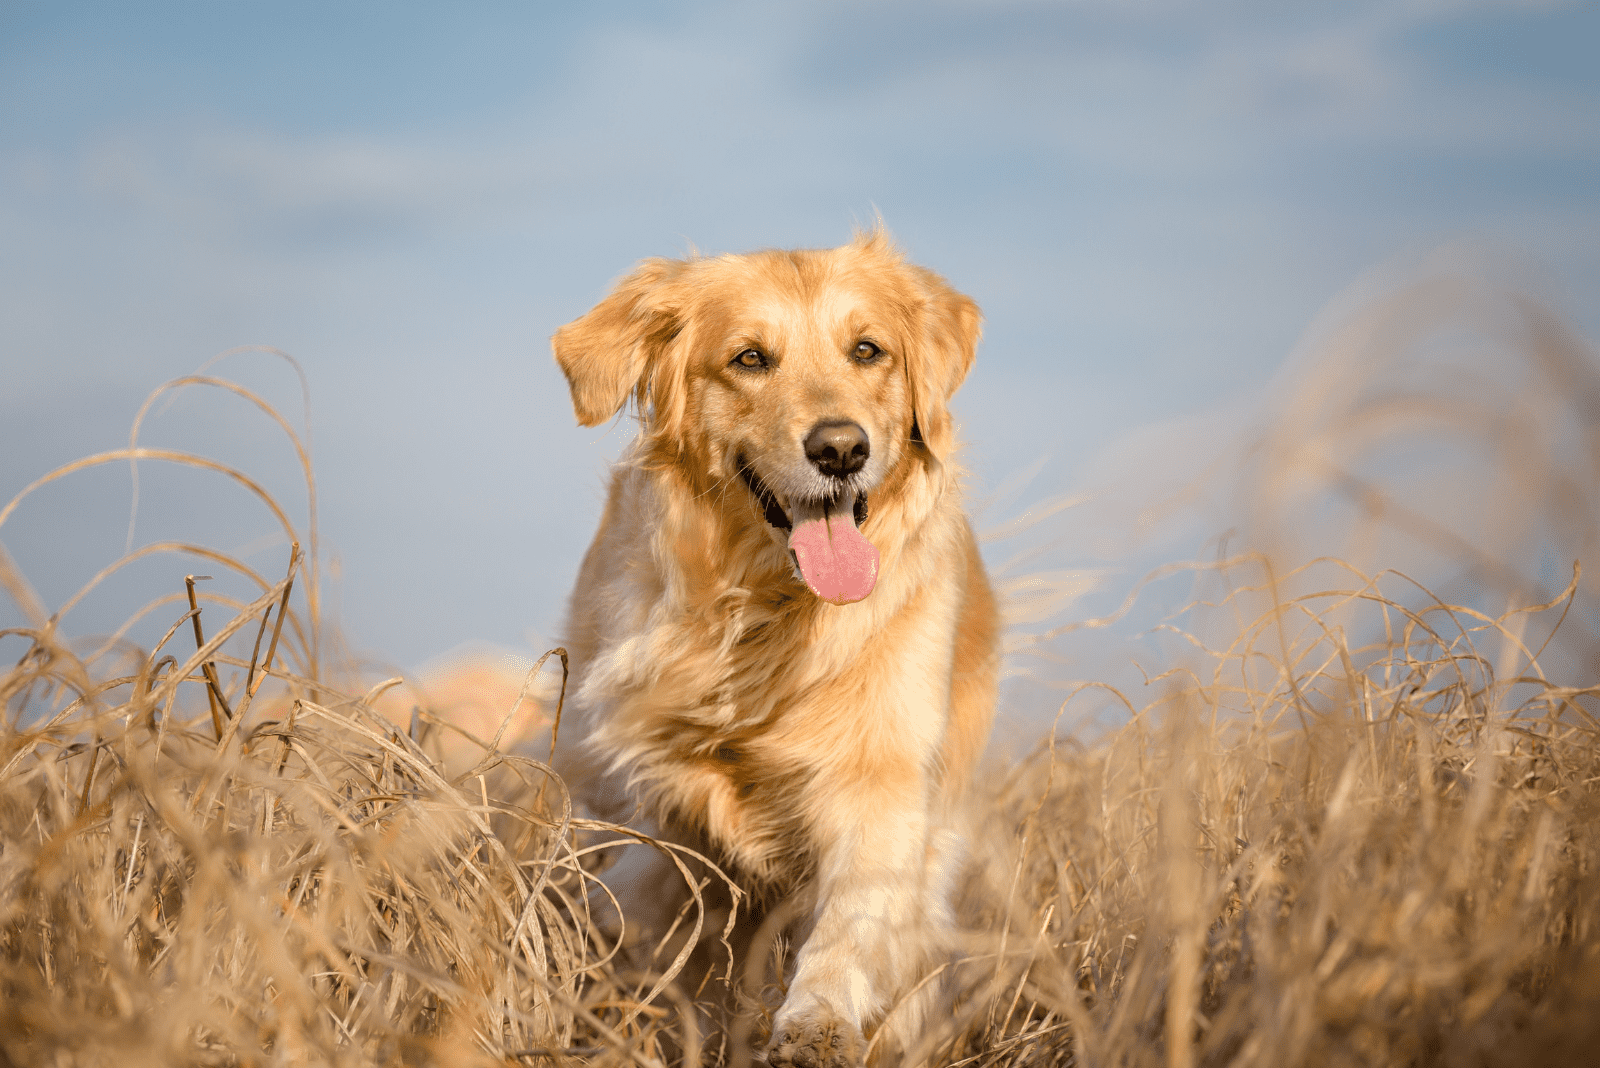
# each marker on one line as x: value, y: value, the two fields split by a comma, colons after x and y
x: 838, y: 563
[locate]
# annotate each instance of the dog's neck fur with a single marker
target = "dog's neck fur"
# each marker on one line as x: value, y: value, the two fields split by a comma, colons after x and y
x: 706, y: 667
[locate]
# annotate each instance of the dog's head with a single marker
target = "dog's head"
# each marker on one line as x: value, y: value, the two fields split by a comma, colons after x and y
x: 813, y: 379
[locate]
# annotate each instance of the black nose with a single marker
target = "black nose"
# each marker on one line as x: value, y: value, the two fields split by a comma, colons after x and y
x: 838, y: 449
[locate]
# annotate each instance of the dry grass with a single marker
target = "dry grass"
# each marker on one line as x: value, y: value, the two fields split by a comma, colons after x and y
x: 1315, y: 853
x: 1357, y: 825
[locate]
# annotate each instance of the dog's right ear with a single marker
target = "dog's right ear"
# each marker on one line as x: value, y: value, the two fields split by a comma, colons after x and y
x: 608, y: 353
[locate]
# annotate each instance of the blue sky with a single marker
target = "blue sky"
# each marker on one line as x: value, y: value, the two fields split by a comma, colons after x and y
x: 1151, y: 202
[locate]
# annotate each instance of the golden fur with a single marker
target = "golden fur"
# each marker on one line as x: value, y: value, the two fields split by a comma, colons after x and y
x: 813, y: 747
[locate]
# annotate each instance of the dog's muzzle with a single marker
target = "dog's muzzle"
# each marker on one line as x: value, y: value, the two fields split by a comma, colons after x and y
x: 775, y: 515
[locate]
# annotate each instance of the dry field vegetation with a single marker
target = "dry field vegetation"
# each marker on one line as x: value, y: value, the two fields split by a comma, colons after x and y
x: 1354, y: 824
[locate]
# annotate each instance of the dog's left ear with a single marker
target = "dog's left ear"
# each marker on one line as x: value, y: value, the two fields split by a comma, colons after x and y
x: 951, y: 326
x: 608, y: 353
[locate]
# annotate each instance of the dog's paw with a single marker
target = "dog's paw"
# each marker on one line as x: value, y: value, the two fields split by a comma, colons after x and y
x: 820, y: 1041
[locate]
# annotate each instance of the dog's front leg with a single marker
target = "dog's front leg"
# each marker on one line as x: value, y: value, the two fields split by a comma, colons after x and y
x: 880, y: 909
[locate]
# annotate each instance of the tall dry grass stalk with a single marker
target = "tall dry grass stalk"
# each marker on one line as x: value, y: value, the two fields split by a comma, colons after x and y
x: 221, y: 853
x: 1311, y: 852
x: 287, y: 879
x: 1356, y: 825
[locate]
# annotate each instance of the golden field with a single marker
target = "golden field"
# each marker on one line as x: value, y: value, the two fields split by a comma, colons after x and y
x: 1351, y: 823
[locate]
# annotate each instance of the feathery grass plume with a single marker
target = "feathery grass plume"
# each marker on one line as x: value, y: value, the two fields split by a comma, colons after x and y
x: 1357, y: 823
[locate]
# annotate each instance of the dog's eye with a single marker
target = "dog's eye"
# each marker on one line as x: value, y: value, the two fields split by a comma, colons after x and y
x: 866, y: 351
x: 751, y: 358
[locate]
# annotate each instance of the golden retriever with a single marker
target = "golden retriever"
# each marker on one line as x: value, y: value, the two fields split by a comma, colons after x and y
x: 785, y: 644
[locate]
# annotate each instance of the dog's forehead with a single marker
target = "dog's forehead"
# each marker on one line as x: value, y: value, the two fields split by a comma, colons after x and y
x: 794, y: 305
